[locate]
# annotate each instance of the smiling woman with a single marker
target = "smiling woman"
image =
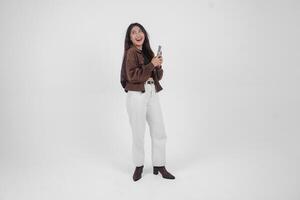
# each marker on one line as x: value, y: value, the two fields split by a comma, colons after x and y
x: 140, y: 79
x: 137, y: 37
x: 137, y: 51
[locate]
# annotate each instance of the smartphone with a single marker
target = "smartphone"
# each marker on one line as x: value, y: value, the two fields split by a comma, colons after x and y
x: 159, y: 51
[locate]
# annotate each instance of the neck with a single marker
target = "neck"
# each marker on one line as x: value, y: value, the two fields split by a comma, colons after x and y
x: 139, y: 47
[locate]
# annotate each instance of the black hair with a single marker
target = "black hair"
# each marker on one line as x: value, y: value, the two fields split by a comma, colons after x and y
x: 146, y: 49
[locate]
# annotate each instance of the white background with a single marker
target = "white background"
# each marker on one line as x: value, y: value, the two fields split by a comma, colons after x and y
x: 230, y: 99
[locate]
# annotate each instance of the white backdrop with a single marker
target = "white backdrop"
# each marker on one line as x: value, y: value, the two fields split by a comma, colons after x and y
x: 230, y: 99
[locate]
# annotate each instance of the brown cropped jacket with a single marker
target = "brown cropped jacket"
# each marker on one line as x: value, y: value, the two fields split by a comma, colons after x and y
x: 134, y: 72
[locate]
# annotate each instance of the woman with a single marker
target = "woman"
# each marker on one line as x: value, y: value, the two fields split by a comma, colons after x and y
x: 140, y: 75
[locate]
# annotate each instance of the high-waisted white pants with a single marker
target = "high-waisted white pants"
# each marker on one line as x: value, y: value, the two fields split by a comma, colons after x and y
x: 142, y: 107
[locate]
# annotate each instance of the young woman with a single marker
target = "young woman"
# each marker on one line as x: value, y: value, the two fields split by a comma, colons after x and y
x: 140, y: 75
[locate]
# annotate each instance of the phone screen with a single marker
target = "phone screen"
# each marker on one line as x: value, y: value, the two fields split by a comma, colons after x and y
x: 159, y: 51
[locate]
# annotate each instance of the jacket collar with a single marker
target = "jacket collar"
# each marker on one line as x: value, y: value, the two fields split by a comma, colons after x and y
x: 137, y: 50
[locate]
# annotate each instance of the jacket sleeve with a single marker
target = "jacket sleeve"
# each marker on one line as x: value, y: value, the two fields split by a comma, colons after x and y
x: 134, y: 72
x: 160, y: 73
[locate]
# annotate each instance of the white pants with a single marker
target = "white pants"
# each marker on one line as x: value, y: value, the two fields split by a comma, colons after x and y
x: 142, y: 107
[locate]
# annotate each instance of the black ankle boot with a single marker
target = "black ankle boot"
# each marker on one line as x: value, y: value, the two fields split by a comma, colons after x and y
x: 163, y: 171
x: 138, y: 173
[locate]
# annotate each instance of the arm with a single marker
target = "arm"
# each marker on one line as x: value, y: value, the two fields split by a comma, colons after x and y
x: 136, y: 74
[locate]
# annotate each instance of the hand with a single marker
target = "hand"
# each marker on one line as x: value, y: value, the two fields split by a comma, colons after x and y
x: 157, y: 61
x: 159, y: 67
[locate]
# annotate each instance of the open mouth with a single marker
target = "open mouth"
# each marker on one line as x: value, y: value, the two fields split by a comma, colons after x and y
x: 140, y: 39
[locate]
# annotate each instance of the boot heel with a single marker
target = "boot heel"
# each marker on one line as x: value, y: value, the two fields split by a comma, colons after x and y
x: 155, y: 171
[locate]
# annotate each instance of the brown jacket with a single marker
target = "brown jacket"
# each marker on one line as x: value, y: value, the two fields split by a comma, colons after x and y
x: 134, y: 72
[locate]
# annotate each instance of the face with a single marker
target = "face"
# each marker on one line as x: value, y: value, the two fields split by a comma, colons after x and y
x: 137, y: 37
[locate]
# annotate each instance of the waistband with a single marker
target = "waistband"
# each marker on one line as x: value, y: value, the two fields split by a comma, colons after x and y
x: 150, y: 81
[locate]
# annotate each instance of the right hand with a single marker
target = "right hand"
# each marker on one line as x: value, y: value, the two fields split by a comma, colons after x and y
x: 157, y: 61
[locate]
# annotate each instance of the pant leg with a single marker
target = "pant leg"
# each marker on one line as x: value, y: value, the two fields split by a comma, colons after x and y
x: 154, y: 118
x: 136, y: 109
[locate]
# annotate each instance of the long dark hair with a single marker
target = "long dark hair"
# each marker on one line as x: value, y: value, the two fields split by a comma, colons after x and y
x: 147, y: 51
